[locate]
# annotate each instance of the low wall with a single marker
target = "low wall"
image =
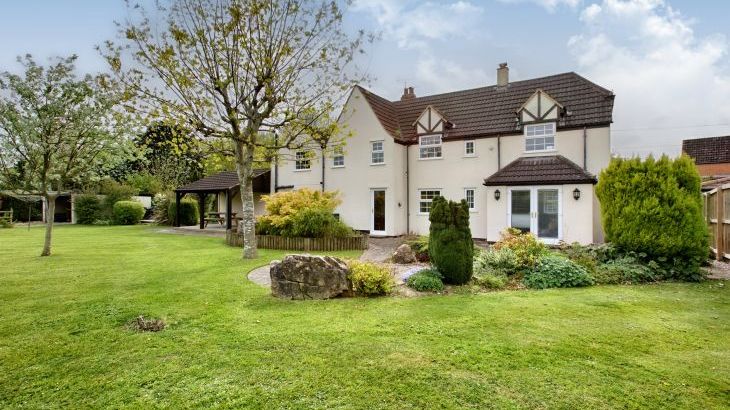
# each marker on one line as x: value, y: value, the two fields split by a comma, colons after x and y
x: 301, y: 244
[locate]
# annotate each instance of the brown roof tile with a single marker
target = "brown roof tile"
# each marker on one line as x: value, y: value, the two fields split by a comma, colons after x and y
x: 544, y: 170
x: 492, y: 110
x: 227, y: 180
x: 712, y: 150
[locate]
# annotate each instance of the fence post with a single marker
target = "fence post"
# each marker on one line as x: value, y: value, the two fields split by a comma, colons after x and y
x: 720, y: 228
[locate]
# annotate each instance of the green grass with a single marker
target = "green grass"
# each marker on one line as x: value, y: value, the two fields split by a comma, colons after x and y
x: 63, y: 340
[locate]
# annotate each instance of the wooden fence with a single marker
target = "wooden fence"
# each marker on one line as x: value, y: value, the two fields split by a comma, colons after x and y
x: 717, y: 215
x: 302, y: 244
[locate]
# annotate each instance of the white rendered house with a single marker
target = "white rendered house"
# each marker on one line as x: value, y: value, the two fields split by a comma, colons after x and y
x: 523, y: 154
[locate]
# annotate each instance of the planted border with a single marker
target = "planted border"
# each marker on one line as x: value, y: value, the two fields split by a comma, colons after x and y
x: 359, y: 242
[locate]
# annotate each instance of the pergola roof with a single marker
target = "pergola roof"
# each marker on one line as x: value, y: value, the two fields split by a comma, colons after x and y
x: 227, y: 180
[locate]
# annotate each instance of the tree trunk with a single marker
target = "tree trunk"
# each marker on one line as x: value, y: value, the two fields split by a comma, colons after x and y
x: 50, y: 213
x: 244, y: 165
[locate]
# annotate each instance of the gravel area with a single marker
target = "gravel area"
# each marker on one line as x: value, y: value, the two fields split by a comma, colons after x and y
x: 719, y: 270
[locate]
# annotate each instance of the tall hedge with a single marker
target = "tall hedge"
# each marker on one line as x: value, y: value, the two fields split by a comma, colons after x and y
x: 127, y: 212
x: 450, y: 245
x: 88, y: 209
x: 654, y: 207
x: 188, y: 212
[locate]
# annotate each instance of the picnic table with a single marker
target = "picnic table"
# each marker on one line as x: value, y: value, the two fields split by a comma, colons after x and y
x: 218, y: 217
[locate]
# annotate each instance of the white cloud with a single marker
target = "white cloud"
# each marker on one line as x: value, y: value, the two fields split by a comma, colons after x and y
x: 549, y: 5
x: 670, y: 84
x: 429, y: 28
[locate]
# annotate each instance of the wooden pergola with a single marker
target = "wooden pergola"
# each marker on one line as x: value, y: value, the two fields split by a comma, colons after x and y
x: 224, y: 182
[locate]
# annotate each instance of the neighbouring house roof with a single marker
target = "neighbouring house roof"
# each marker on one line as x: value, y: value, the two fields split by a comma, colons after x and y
x: 492, y: 110
x: 553, y: 169
x: 226, y: 180
x: 712, y: 150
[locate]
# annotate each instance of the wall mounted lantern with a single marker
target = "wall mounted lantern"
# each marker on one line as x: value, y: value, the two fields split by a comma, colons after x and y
x: 576, y: 194
x: 497, y: 195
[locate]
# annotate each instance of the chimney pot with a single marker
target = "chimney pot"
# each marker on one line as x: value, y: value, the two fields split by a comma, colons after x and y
x: 408, y: 94
x: 503, y: 75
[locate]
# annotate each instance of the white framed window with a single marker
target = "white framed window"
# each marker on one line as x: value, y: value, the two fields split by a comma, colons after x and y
x: 338, y: 159
x: 377, y: 152
x: 469, y: 195
x: 425, y: 197
x: 429, y: 146
x: 469, y: 148
x: 540, y: 137
x: 302, y: 162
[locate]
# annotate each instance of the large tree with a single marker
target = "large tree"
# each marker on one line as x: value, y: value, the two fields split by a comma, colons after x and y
x: 237, y: 70
x: 56, y: 130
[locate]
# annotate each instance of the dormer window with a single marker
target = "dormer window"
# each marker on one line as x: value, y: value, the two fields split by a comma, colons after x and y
x: 429, y: 146
x: 540, y: 137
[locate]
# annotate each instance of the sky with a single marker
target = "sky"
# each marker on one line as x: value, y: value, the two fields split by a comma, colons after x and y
x: 666, y: 60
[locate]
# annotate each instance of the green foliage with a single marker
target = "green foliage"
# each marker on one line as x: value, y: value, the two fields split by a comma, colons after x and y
x: 553, y: 271
x: 114, y: 192
x: 427, y: 280
x: 161, y: 208
x: 370, y: 279
x: 503, y: 261
x: 491, y: 279
x: 144, y: 183
x: 450, y: 244
x: 5, y: 224
x: 128, y: 212
x: 88, y: 209
x: 526, y: 247
x: 654, y: 207
x: 302, y: 213
x: 188, y: 212
x: 625, y: 269
x: 419, y: 245
x: 21, y: 209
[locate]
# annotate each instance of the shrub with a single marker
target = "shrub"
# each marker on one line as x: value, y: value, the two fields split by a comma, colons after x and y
x: 654, y: 207
x: 115, y: 192
x: 88, y: 209
x: 370, y: 279
x: 526, y: 247
x: 5, y: 224
x: 419, y: 245
x: 145, y: 183
x: 161, y: 208
x: 491, y: 279
x: 427, y: 280
x: 302, y: 213
x: 188, y: 212
x: 553, y: 271
x: 496, y: 260
x: 624, y: 270
x: 128, y: 212
x: 450, y: 246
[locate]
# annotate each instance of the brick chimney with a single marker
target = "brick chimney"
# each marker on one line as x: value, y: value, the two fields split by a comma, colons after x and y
x: 503, y: 75
x: 408, y: 94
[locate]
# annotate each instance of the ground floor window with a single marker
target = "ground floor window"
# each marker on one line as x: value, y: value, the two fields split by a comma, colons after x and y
x: 301, y: 162
x: 426, y: 196
x: 469, y: 194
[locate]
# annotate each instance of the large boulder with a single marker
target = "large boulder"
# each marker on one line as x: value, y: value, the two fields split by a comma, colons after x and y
x: 404, y: 255
x: 309, y: 277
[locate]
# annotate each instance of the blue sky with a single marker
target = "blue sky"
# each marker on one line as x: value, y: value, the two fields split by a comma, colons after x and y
x: 666, y: 60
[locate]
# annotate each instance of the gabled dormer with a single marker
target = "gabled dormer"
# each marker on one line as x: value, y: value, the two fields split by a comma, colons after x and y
x: 431, y: 121
x: 538, y: 108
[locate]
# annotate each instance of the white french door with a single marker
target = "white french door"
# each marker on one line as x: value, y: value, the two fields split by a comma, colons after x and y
x: 538, y: 210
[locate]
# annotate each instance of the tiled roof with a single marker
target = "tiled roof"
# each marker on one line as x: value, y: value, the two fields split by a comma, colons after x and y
x: 713, y: 150
x: 225, y: 180
x: 553, y: 169
x: 492, y: 110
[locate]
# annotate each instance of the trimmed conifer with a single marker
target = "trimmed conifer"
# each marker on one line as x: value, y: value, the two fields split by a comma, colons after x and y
x: 450, y: 246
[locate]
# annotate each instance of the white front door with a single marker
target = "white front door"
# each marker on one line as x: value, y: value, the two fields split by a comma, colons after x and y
x: 537, y: 210
x: 377, y: 212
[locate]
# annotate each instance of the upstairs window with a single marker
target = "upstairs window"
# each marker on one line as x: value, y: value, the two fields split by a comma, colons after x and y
x: 469, y: 196
x: 430, y: 146
x: 377, y: 152
x: 469, y: 150
x: 338, y: 159
x: 426, y: 197
x: 540, y: 137
x: 301, y: 162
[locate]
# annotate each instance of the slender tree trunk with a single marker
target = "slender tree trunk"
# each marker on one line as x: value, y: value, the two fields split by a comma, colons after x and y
x: 50, y: 213
x: 244, y: 165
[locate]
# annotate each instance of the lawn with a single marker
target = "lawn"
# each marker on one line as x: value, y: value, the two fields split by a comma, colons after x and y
x: 64, y: 343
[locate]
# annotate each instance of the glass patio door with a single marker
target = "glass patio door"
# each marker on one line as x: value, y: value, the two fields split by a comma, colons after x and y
x: 537, y: 210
